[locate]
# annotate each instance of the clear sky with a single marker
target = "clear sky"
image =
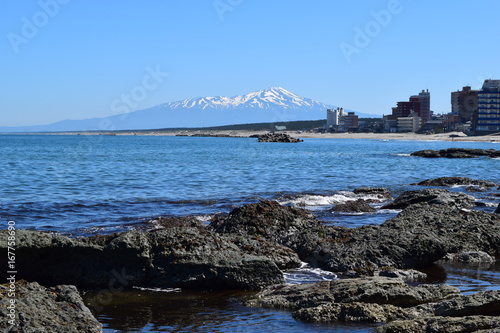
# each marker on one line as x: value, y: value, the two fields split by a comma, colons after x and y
x: 71, y: 59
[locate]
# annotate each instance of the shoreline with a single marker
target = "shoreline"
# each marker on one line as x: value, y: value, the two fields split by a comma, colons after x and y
x: 451, y: 136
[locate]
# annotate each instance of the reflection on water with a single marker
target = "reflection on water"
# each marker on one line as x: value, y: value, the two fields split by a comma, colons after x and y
x: 469, y: 278
x: 191, y: 311
x: 194, y: 311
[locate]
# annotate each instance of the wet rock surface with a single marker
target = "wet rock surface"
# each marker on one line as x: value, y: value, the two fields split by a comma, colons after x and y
x: 40, y: 309
x: 187, y: 257
x: 457, y: 153
x: 432, y: 197
x: 475, y: 257
x: 420, y: 235
x: 425, y: 308
x: 476, y: 324
x: 357, y: 206
x: 278, y: 137
x: 453, y: 181
x: 378, y: 191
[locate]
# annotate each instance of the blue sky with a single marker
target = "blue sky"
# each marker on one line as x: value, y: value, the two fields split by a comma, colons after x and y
x: 70, y: 59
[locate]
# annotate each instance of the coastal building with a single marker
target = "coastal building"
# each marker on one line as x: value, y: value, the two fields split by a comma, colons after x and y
x: 333, y: 117
x: 339, y: 121
x: 349, y: 122
x: 487, y: 117
x: 412, y: 123
x: 464, y: 103
x: 417, y: 104
x: 424, y: 97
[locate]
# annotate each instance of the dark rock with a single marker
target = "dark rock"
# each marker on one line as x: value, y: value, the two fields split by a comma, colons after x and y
x: 174, y: 221
x: 293, y: 227
x: 497, y: 211
x: 457, y: 153
x: 403, y: 274
x: 187, y: 257
x: 282, y: 256
x: 432, y: 197
x: 358, y: 206
x: 451, y: 181
x: 382, y: 290
x: 379, y: 290
x: 293, y: 297
x: 194, y: 258
x: 442, y: 324
x: 420, y: 235
x: 351, y: 312
x: 278, y: 137
x: 481, y: 303
x: 379, y: 192
x: 472, y: 189
x: 456, y: 229
x: 40, y: 309
x: 474, y: 257
x: 429, y: 153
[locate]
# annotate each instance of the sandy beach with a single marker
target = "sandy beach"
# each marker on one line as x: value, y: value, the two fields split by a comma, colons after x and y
x: 452, y: 136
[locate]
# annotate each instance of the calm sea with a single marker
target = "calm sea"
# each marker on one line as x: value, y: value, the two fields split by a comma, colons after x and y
x: 81, y: 185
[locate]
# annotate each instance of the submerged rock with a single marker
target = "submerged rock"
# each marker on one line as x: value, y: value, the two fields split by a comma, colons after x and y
x: 432, y: 197
x: 278, y: 137
x: 40, y: 309
x: 443, y: 324
x: 379, y: 290
x: 452, y: 181
x: 380, y: 192
x: 457, y: 153
x: 425, y: 308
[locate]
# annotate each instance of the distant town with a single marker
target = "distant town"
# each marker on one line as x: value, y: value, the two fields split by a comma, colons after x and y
x: 474, y: 112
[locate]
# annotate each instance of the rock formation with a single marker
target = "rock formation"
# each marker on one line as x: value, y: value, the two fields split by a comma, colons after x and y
x: 278, y: 137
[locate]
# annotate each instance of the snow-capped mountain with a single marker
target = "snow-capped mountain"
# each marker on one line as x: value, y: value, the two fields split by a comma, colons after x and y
x: 262, y: 99
x: 270, y: 105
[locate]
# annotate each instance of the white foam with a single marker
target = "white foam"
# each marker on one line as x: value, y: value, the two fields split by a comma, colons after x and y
x: 167, y: 290
x: 308, y: 274
x: 318, y: 201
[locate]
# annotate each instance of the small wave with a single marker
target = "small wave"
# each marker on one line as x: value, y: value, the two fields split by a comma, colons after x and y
x: 308, y: 274
x: 402, y: 154
x: 312, y: 201
x: 167, y: 290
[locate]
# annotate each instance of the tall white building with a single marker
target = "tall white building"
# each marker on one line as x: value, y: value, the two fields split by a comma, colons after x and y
x: 333, y: 116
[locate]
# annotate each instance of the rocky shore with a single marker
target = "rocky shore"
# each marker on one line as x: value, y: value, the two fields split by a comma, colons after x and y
x: 39, y: 309
x: 251, y: 246
x: 423, y: 308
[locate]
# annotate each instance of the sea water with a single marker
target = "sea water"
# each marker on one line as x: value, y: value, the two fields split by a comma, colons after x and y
x: 80, y: 185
